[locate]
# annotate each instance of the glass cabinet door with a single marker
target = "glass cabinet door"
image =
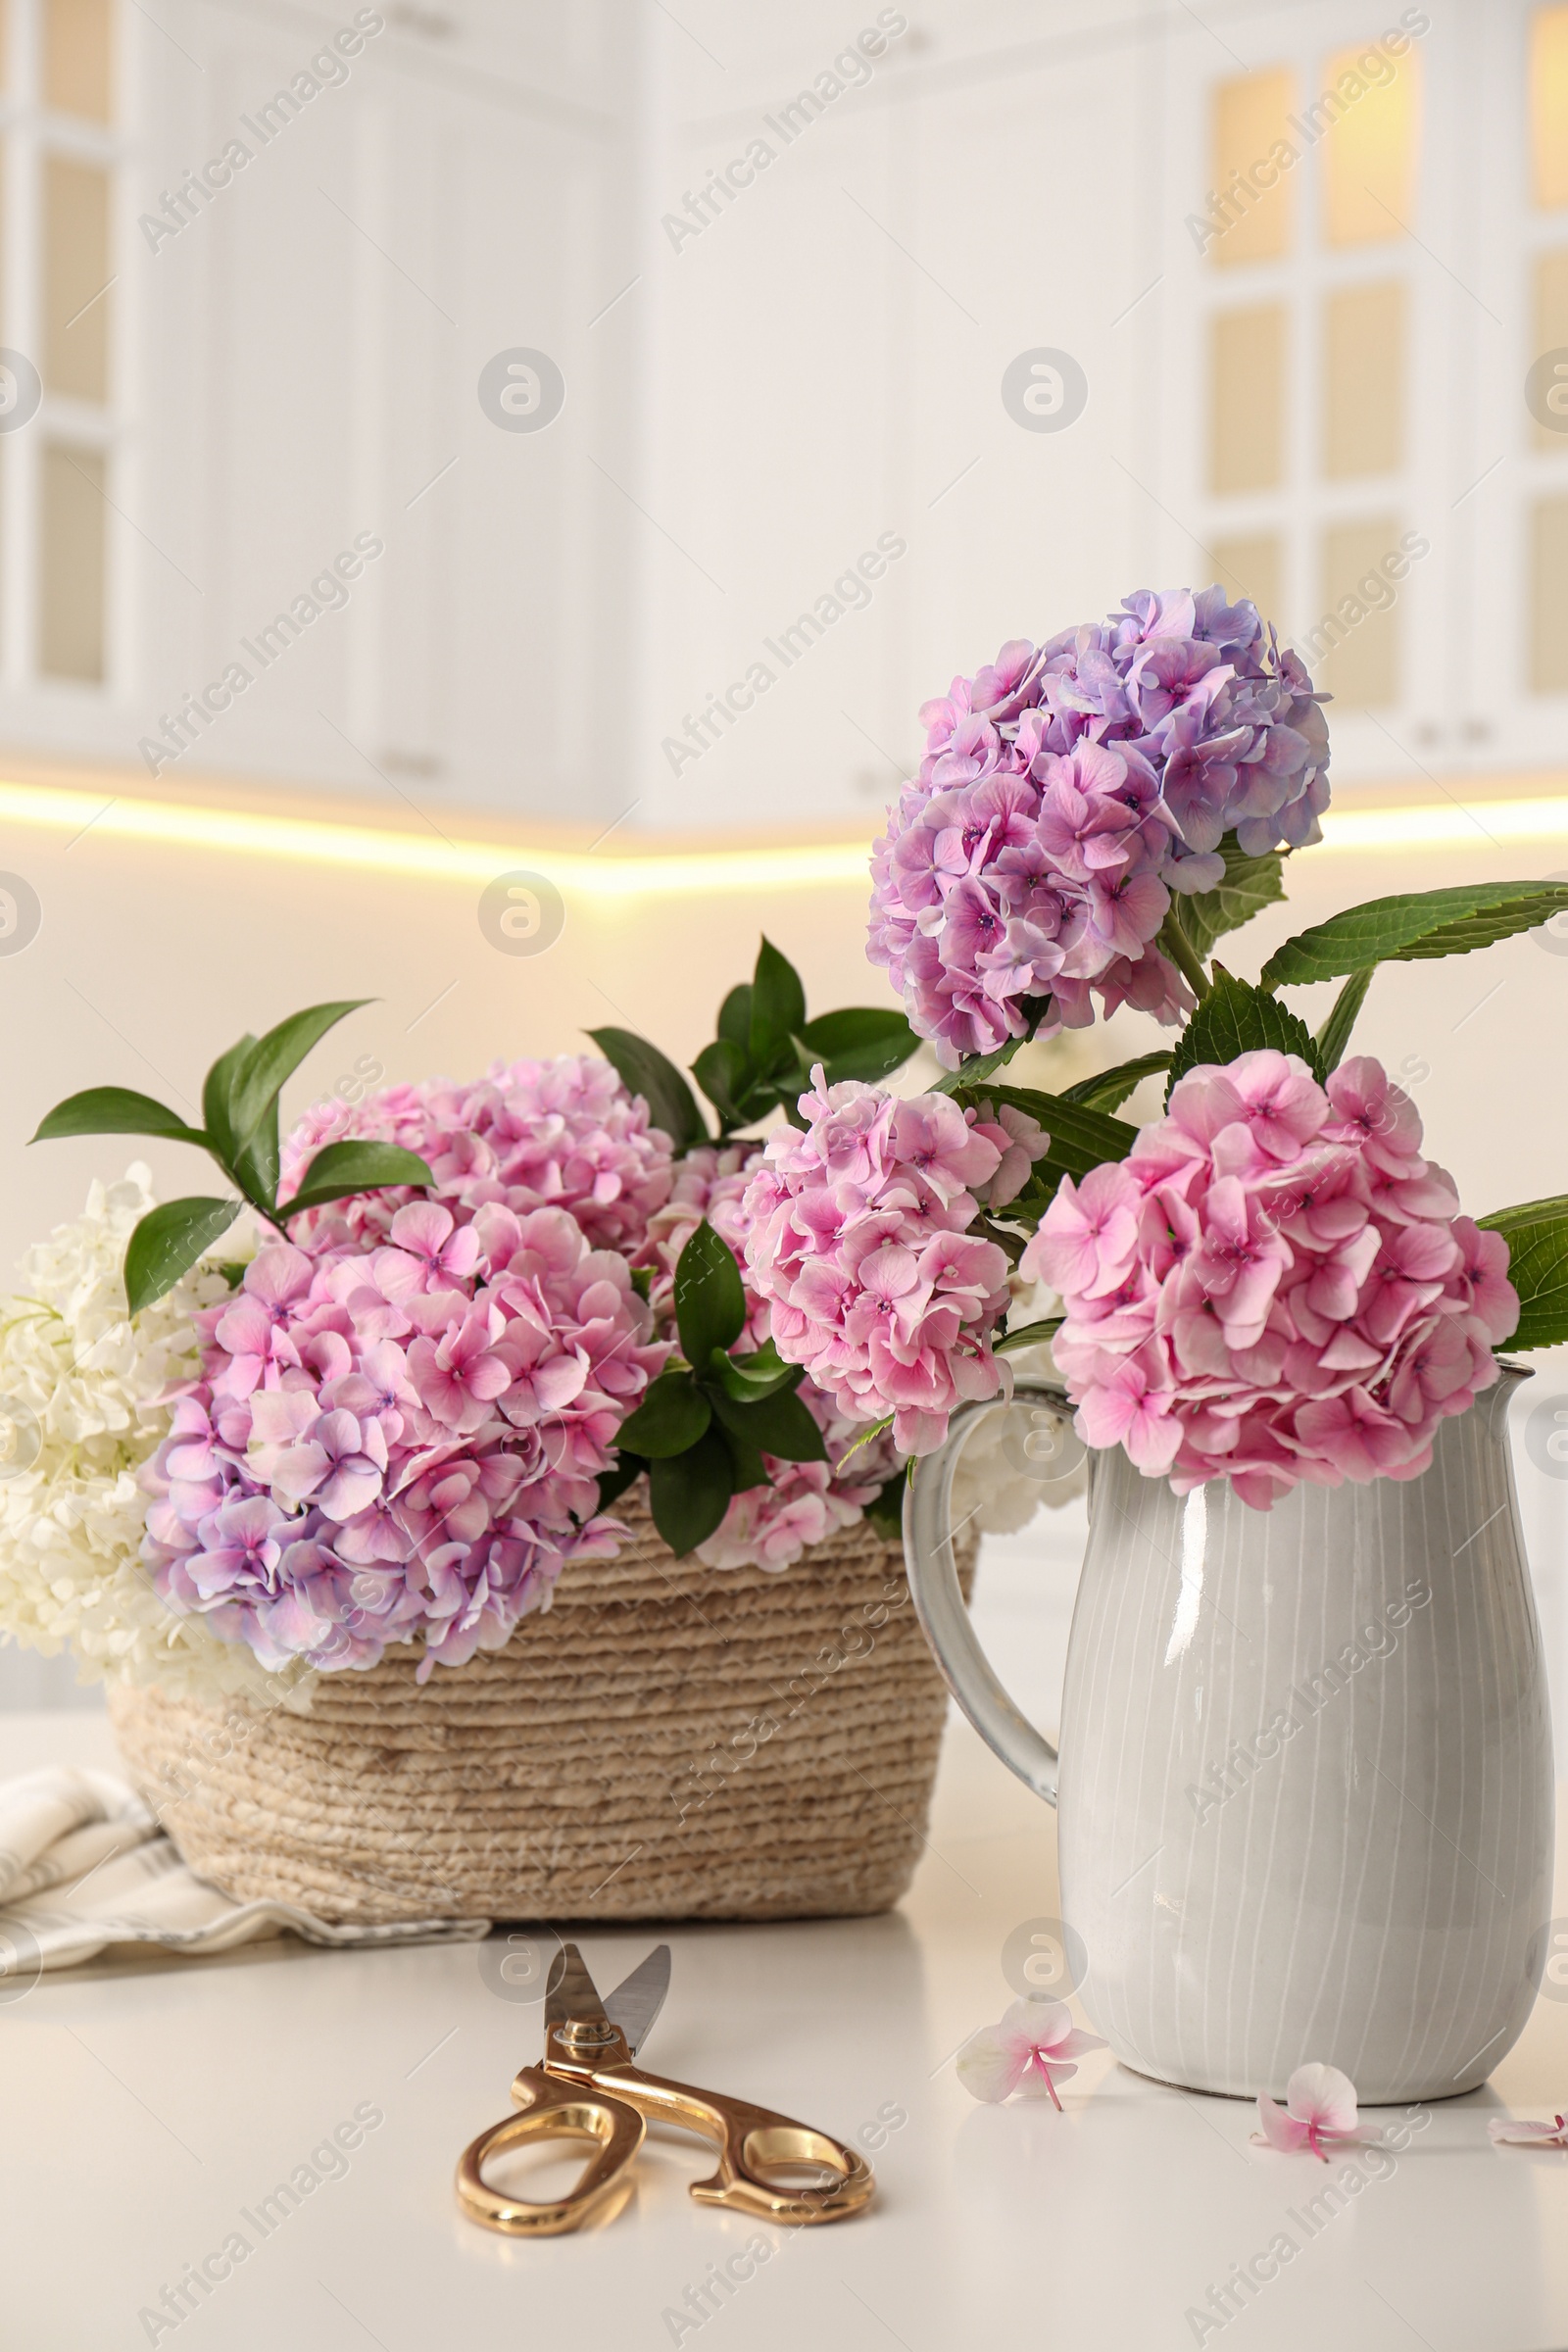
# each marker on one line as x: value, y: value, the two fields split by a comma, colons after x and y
x: 1323, y: 322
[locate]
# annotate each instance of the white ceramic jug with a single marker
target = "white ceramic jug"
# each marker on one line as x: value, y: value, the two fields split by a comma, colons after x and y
x: 1306, y: 1783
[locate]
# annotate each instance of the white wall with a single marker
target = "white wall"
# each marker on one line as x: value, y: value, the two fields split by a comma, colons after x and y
x: 749, y: 409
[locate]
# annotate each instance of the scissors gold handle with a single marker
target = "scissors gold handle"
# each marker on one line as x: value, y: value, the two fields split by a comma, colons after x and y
x: 550, y: 2110
x: 588, y: 2088
x: 752, y: 2142
x: 610, y: 2104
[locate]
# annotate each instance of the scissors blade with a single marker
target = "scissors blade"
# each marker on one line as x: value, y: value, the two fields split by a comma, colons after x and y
x: 638, y: 1999
x: 570, y: 1992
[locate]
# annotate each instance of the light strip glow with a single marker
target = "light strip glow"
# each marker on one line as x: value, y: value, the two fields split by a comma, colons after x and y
x: 694, y: 873
x: 1445, y: 825
x: 431, y: 856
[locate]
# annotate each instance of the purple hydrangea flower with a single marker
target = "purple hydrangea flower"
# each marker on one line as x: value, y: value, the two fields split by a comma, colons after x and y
x: 1066, y: 791
x: 398, y: 1439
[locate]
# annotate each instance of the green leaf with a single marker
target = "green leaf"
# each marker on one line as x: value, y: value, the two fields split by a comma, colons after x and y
x: 1030, y: 1335
x: 778, y: 1004
x: 723, y: 1072
x: 218, y: 1089
x: 1334, y: 1034
x: 1108, y: 1089
x: 748, y: 1377
x: 115, y: 1111
x: 689, y: 1493
x: 274, y: 1058
x: 1413, y: 926
x: 1508, y: 1221
x: 746, y: 1465
x: 340, y: 1170
x: 780, y: 1425
x: 613, y: 1484
x: 1238, y: 1019
x: 860, y: 1041
x: 1081, y: 1139
x: 673, y: 1415
x: 645, y: 1071
x: 1536, y: 1234
x: 710, y: 1302
x: 167, y: 1241
x: 975, y: 1069
x: 259, y: 1162
x: 1251, y: 884
x: 735, y: 1016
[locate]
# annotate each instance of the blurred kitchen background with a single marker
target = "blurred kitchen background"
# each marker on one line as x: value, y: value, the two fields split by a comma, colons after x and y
x: 451, y: 442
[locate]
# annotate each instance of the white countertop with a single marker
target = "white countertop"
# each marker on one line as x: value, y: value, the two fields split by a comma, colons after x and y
x: 147, y: 2101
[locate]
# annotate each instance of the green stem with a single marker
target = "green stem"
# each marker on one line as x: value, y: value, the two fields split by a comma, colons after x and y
x: 269, y: 1211
x: 1182, y: 953
x: 1334, y: 1034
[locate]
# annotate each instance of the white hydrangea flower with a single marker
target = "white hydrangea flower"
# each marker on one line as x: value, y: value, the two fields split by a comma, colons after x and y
x: 78, y: 1379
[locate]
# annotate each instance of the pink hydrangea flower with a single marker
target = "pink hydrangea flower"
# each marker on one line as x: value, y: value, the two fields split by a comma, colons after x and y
x: 1319, y: 2113
x: 1034, y: 2047
x: 772, y: 1526
x: 1065, y: 792
x: 562, y: 1134
x: 398, y: 1439
x: 1274, y: 1284
x: 859, y: 1236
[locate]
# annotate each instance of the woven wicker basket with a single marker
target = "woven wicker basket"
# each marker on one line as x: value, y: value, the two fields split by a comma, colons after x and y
x: 665, y: 1741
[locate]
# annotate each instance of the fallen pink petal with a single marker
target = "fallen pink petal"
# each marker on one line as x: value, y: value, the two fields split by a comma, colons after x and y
x: 1506, y: 2132
x: 1319, y: 2113
x: 1030, y: 2051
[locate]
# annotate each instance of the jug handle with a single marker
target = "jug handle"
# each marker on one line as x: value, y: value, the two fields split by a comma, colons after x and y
x: 933, y: 1573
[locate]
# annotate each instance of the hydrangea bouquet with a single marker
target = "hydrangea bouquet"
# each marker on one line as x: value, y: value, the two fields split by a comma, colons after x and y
x: 1269, y: 1284
x: 459, y: 1323
x: 465, y: 1319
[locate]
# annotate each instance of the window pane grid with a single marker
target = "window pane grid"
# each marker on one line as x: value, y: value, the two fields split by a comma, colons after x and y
x: 57, y: 82
x: 1309, y: 385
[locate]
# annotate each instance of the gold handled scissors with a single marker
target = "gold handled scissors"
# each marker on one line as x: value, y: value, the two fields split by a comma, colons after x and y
x: 588, y: 2088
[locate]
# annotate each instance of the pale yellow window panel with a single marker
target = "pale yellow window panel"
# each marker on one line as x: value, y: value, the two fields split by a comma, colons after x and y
x: 71, y: 598
x: 1548, y: 108
x: 1550, y: 325
x: 75, y: 274
x: 1256, y: 220
x: 1247, y: 399
x: 1364, y: 381
x: 1549, y: 596
x: 1250, y: 566
x: 77, y: 59
x: 1369, y: 151
x: 1353, y: 648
